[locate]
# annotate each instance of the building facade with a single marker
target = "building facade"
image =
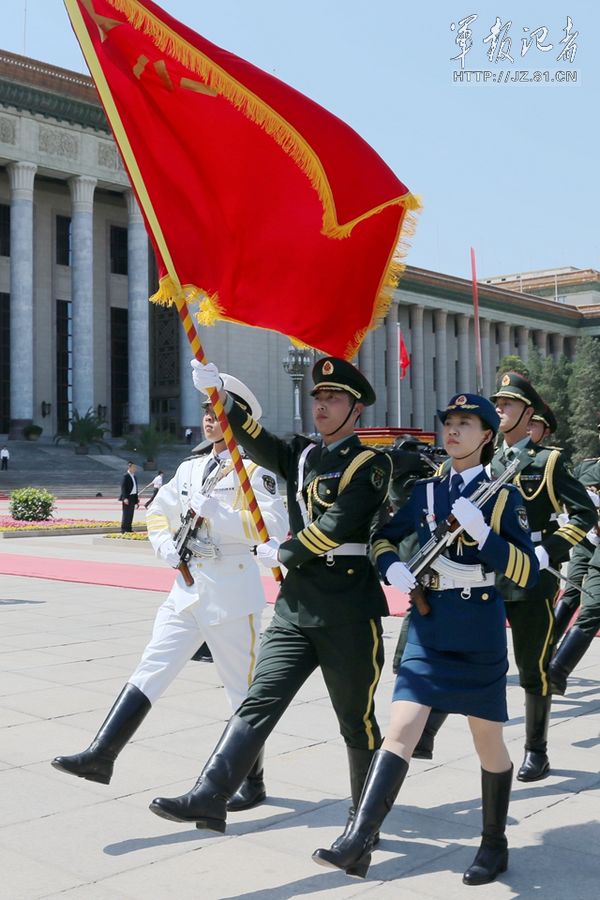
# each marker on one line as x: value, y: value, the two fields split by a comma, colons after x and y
x: 76, y: 269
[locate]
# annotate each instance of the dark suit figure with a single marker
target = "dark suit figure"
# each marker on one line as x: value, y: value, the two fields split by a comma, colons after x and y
x: 128, y: 497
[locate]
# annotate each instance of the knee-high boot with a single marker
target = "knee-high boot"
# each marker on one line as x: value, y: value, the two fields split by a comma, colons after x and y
x: 252, y: 790
x: 352, y: 852
x: 570, y: 652
x: 563, y: 613
x: 359, y: 761
x: 230, y: 762
x: 536, y: 764
x: 492, y: 856
x: 424, y: 748
x: 97, y: 762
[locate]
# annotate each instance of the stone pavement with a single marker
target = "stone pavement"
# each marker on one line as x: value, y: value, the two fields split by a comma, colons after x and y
x: 65, y: 652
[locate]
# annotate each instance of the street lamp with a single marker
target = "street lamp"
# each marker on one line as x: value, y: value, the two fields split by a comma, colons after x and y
x: 294, y: 364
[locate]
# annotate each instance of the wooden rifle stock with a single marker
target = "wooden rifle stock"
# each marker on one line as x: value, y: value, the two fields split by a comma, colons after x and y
x: 185, y: 573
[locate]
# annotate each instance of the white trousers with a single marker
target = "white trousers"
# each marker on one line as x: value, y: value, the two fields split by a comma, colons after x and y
x: 177, y: 635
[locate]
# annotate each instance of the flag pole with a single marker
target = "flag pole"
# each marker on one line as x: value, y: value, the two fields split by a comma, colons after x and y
x: 399, y: 338
x: 230, y: 442
x: 478, y: 360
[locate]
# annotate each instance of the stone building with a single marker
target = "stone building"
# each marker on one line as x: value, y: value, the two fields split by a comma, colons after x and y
x: 77, y: 331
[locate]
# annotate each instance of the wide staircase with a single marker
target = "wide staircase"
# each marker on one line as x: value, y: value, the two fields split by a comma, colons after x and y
x: 67, y: 474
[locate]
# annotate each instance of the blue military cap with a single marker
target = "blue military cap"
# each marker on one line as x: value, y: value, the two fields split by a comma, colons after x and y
x: 472, y: 403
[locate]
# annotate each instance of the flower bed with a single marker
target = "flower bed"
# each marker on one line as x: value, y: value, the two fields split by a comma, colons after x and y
x: 7, y: 523
x: 128, y: 536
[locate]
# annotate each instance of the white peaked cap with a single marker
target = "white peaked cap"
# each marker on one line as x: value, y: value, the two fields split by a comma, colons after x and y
x: 234, y: 386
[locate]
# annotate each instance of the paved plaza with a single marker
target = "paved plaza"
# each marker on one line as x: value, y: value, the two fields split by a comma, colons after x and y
x: 66, y: 649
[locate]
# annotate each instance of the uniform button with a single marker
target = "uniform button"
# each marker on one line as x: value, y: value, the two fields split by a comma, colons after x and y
x: 199, y: 565
x: 350, y: 571
x: 485, y: 596
x: 240, y: 565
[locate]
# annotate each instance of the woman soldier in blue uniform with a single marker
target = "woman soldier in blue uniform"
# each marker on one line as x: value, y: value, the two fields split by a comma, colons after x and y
x: 456, y: 656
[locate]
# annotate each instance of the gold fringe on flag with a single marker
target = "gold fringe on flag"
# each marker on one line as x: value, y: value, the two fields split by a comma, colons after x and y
x: 255, y: 109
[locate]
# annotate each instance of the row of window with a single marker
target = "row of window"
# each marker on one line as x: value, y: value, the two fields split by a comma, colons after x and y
x: 118, y: 241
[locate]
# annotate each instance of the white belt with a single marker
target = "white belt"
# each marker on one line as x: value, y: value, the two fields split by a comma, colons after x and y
x: 445, y: 583
x: 225, y: 550
x: 345, y: 550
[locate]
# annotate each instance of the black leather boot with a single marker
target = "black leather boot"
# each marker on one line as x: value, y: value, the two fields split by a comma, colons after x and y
x: 424, y: 748
x: 230, y: 762
x: 97, y: 762
x: 570, y: 652
x: 252, y: 790
x: 563, y: 613
x: 536, y: 764
x: 492, y: 856
x: 359, y: 762
x: 352, y: 852
x: 203, y: 654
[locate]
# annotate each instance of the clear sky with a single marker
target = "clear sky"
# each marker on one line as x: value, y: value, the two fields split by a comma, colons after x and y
x: 511, y: 168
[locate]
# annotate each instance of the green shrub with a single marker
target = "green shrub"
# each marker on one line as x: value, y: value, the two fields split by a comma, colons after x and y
x: 32, y: 504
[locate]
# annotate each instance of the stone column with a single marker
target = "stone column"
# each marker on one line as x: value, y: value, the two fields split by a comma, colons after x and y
x: 138, y: 317
x: 464, y: 354
x: 22, y: 323
x: 392, y: 339
x: 82, y: 290
x: 441, y: 359
x: 558, y: 345
x: 504, y: 344
x: 366, y: 358
x: 190, y: 400
x: 523, y: 342
x: 417, y: 362
x: 486, y: 357
x: 540, y: 339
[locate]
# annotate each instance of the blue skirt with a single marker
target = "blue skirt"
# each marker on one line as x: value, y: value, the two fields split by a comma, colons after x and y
x: 455, y: 658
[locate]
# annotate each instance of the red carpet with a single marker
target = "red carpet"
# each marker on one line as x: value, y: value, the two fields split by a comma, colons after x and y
x: 139, y: 578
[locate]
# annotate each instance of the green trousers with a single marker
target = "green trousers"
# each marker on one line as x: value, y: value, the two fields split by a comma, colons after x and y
x: 350, y: 658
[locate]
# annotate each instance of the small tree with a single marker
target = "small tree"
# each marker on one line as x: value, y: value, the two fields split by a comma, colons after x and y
x: 535, y: 363
x: 149, y: 442
x: 584, y: 396
x: 85, y: 431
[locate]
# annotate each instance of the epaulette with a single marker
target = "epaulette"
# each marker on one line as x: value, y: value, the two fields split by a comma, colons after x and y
x: 552, y: 447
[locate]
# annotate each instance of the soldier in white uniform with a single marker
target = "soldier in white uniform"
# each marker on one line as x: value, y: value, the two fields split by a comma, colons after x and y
x: 222, y: 607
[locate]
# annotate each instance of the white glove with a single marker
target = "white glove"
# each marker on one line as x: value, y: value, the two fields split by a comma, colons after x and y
x: 542, y: 557
x: 202, y: 505
x: 471, y: 518
x: 594, y: 497
x: 267, y: 554
x: 400, y: 576
x: 562, y: 519
x: 168, y: 552
x: 205, y: 376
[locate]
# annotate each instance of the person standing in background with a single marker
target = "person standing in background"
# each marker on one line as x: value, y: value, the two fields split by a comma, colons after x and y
x: 128, y: 497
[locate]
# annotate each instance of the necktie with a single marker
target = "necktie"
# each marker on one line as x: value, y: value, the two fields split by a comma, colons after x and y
x: 211, y: 465
x: 456, y: 484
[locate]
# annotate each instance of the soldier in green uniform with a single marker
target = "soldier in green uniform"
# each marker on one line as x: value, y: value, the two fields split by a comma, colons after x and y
x: 546, y: 486
x: 542, y: 424
x: 584, y: 570
x: 328, y: 611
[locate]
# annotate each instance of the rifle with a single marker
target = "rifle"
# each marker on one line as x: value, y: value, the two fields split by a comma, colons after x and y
x: 188, y: 530
x: 446, y: 533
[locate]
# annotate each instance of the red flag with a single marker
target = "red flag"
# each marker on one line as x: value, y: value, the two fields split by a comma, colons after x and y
x: 261, y: 204
x: 403, y: 357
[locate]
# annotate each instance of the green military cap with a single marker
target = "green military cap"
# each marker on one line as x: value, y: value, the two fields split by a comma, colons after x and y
x: 333, y: 374
x: 545, y: 415
x: 515, y: 385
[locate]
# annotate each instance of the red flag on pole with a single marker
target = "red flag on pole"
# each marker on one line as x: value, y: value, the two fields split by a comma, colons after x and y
x: 403, y: 357
x: 263, y: 206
